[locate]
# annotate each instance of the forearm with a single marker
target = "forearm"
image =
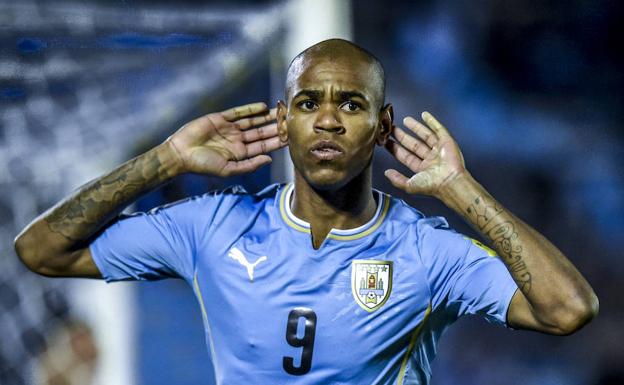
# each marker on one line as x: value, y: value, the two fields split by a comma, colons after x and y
x: 553, y: 287
x: 68, y: 224
x: 224, y: 143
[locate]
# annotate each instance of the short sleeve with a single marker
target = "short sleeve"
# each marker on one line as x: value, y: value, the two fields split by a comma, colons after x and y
x: 163, y: 242
x: 147, y: 246
x: 465, y: 277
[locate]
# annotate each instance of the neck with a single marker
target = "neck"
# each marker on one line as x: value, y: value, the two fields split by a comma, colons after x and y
x: 344, y: 208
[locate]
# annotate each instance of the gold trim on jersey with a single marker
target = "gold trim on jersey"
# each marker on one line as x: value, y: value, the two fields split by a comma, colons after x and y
x: 411, y: 345
x: 285, y: 216
x: 200, y: 297
x: 385, y: 202
x: 483, y: 247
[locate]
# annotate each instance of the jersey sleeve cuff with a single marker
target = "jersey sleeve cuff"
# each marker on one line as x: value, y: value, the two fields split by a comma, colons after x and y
x: 508, y: 293
x: 99, y: 262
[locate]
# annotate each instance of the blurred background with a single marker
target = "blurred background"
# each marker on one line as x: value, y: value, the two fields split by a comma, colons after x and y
x: 532, y: 91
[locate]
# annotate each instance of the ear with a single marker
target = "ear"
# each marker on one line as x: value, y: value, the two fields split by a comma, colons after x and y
x: 282, y: 129
x: 386, y: 122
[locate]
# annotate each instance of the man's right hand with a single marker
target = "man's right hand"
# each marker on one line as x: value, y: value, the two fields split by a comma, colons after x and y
x: 230, y: 142
x: 225, y: 143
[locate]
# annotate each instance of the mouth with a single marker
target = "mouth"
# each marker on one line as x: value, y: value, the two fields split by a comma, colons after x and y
x: 326, y: 150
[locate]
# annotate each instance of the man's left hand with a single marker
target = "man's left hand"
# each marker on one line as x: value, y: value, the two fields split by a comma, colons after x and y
x: 432, y: 154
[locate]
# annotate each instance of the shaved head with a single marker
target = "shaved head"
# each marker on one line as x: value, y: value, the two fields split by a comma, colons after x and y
x: 340, y: 52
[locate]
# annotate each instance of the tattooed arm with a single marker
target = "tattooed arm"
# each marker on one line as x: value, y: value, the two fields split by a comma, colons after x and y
x: 55, y: 244
x: 226, y: 143
x: 553, y: 297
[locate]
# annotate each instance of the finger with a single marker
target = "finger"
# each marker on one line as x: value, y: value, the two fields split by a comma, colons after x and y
x: 234, y: 167
x: 397, y: 179
x: 423, y: 132
x: 433, y: 123
x: 407, y: 158
x: 263, y: 146
x: 255, y: 121
x: 263, y: 132
x: 244, y: 111
x: 411, y: 143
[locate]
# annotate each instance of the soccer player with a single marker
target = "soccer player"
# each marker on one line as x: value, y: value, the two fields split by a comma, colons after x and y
x: 325, y: 280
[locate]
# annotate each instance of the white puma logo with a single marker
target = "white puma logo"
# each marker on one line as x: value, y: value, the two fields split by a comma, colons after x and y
x: 237, y: 255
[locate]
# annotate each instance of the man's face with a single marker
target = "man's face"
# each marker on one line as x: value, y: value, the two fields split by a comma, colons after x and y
x: 332, y: 121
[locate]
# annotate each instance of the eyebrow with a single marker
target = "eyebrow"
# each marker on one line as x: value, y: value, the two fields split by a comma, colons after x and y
x: 352, y: 94
x: 314, y: 94
x: 318, y: 94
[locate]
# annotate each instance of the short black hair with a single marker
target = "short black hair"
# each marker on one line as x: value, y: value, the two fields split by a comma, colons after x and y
x: 340, y: 48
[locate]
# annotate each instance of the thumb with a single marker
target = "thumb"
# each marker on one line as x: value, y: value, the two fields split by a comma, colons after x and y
x: 234, y: 167
x: 397, y: 179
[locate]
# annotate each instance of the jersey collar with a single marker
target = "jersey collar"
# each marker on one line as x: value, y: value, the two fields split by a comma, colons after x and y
x: 343, y: 235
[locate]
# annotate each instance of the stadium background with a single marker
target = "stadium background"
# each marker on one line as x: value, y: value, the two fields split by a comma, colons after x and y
x: 532, y: 91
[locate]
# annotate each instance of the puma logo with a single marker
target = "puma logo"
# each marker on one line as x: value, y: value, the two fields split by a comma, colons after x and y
x: 237, y: 255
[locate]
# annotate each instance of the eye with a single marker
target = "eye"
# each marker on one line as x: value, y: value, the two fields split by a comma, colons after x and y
x: 350, y: 107
x: 307, y: 105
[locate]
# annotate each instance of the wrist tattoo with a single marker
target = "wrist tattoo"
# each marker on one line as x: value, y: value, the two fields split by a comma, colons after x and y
x: 482, y: 213
x: 504, y: 238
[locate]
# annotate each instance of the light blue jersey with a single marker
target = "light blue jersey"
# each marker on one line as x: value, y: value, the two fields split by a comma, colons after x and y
x: 367, y: 307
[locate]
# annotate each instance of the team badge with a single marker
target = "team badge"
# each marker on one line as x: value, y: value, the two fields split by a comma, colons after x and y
x: 371, y: 282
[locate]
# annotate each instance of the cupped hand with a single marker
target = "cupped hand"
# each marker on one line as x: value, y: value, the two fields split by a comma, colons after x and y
x: 230, y: 142
x: 430, y: 153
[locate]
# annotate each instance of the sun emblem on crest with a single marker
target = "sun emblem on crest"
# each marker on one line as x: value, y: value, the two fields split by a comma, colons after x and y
x: 371, y: 282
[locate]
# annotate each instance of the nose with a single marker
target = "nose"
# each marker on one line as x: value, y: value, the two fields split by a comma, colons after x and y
x: 328, y: 120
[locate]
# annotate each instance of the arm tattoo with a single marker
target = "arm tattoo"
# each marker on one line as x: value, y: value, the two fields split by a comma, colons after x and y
x: 504, y: 237
x: 82, y: 214
x: 481, y: 213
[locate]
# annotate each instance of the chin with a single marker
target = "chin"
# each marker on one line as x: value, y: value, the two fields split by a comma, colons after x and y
x: 330, y: 176
x: 326, y: 179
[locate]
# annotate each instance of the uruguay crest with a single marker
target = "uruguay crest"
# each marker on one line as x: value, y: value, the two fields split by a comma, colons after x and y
x: 371, y: 282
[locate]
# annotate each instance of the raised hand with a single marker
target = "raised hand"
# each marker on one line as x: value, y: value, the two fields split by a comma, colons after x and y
x: 432, y: 154
x: 230, y: 142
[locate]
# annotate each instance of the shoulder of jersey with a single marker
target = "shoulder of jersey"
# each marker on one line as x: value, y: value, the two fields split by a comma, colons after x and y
x: 237, y: 194
x: 231, y: 193
x: 269, y: 192
x: 238, y: 191
x: 402, y: 212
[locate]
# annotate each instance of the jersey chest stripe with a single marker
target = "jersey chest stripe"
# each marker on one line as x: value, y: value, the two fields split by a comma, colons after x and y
x: 200, y: 297
x: 411, y: 345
